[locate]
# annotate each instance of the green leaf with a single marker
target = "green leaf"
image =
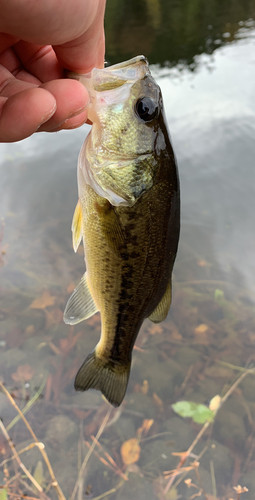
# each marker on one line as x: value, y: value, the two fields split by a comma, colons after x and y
x: 3, y: 494
x: 219, y: 296
x: 198, y: 412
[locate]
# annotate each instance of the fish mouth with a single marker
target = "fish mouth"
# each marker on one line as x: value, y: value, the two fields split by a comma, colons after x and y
x: 115, y: 76
x: 119, y: 74
x: 138, y: 63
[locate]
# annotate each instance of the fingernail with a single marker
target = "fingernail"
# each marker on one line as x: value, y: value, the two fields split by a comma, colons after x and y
x: 77, y: 112
x: 48, y: 115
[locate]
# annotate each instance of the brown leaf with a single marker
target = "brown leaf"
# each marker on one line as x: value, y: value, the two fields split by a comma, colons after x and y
x: 201, y: 328
x: 158, y: 402
x: 23, y: 373
x: 30, y: 330
x: 154, y: 329
x: 130, y: 451
x: 145, y: 387
x: 44, y: 301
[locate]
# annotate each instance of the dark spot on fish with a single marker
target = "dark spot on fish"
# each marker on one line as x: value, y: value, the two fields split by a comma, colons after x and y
x: 134, y: 255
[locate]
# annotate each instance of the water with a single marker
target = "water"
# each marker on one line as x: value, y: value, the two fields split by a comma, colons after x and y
x: 208, y: 90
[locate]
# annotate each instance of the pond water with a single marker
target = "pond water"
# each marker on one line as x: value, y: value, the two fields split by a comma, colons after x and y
x: 203, y: 57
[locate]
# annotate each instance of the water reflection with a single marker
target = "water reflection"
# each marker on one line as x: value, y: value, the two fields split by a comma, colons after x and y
x: 211, y: 115
x: 173, y: 31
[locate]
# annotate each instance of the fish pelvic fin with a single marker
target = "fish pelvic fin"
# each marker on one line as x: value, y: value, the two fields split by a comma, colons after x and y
x: 81, y: 304
x: 106, y: 376
x: 161, y: 311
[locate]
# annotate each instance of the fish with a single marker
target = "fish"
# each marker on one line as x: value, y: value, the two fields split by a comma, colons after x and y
x: 128, y: 216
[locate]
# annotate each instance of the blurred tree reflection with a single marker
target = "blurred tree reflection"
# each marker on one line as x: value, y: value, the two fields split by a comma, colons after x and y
x: 172, y: 31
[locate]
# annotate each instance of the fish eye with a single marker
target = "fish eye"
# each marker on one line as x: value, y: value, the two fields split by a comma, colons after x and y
x: 146, y: 108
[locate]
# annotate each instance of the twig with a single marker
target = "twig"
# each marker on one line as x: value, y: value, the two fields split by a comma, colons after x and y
x: 86, y: 459
x: 28, y: 405
x: 19, y: 496
x: 237, y: 382
x: 110, y: 459
x: 55, y: 484
x: 214, y: 488
x: 22, y: 466
x: 27, y: 448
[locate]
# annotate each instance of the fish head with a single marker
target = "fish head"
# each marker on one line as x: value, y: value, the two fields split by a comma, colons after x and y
x: 118, y: 157
x: 124, y: 105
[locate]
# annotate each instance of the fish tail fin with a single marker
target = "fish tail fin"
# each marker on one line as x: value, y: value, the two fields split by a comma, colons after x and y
x: 106, y: 376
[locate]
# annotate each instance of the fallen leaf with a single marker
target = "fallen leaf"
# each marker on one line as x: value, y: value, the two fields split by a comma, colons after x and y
x: 198, y: 412
x: 145, y: 387
x: 23, y: 373
x: 30, y: 330
x: 44, y: 301
x: 201, y: 328
x: 154, y: 329
x: 158, y: 402
x: 4, y: 494
x: 130, y: 451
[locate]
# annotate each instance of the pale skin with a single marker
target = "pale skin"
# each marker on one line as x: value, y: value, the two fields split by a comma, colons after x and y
x: 38, y: 40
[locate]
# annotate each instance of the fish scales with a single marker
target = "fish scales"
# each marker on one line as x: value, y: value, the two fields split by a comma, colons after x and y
x: 129, y: 210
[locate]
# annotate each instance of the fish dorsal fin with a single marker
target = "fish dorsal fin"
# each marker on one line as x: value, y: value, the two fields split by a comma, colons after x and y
x: 160, y: 313
x: 110, y: 225
x: 81, y: 304
x: 77, y: 226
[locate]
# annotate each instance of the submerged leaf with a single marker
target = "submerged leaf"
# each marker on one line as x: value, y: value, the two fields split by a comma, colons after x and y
x: 3, y: 494
x: 219, y: 296
x: 44, y: 301
x: 198, y: 412
x: 201, y: 328
x: 130, y: 451
x: 23, y: 373
x: 38, y: 473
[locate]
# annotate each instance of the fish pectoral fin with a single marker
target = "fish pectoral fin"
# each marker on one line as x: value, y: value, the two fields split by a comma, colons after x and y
x: 110, y: 225
x: 77, y: 226
x: 160, y: 313
x: 109, y: 378
x: 81, y: 304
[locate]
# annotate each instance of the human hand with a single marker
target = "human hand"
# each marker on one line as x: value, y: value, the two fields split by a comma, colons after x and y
x: 37, y: 41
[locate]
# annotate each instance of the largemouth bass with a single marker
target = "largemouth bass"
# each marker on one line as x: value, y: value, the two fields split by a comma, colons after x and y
x: 128, y: 215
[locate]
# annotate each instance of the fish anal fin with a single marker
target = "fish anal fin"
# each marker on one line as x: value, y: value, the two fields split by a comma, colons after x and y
x: 77, y: 226
x: 110, y: 379
x: 81, y: 304
x: 110, y: 225
x: 161, y: 311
